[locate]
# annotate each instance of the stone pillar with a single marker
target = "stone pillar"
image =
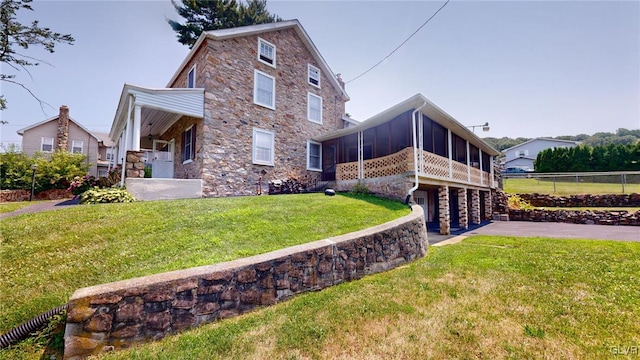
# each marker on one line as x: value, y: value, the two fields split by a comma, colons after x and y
x: 475, y: 207
x: 135, y: 164
x: 63, y: 128
x: 488, y: 211
x: 462, y: 208
x: 443, y: 209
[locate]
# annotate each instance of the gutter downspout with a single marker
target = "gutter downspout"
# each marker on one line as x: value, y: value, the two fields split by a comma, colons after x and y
x: 415, y: 153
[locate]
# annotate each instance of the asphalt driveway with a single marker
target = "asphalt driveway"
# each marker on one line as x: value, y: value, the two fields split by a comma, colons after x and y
x: 545, y: 229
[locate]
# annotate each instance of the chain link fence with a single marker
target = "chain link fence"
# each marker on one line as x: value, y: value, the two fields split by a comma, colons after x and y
x: 615, y: 182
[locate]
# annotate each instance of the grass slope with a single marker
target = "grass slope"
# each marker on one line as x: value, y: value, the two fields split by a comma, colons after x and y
x: 47, y: 256
x: 487, y: 297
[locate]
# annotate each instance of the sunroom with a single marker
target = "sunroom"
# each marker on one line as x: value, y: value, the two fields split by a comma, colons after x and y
x: 415, y: 150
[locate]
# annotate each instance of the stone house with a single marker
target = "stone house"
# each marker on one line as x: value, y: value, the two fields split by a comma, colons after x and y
x: 62, y: 132
x: 258, y: 103
x: 240, y: 110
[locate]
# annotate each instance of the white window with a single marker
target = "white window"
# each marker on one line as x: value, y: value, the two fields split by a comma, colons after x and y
x: 191, y: 77
x: 102, y: 173
x: 266, y: 52
x: 314, y: 76
x: 46, y: 144
x: 314, y: 156
x: 109, y: 155
x: 262, y: 147
x: 77, y: 146
x: 264, y: 90
x: 314, y: 108
x: 188, y: 145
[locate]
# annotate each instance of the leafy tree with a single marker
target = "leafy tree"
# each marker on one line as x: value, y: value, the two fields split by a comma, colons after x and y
x: 205, y: 15
x: 17, y: 37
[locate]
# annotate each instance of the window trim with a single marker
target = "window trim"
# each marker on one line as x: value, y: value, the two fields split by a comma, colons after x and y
x: 260, y: 41
x: 309, y: 143
x: 309, y: 68
x: 192, y: 146
x: 309, y: 96
x: 42, y: 143
x: 73, y: 142
x: 254, y: 147
x: 192, y: 70
x: 257, y: 72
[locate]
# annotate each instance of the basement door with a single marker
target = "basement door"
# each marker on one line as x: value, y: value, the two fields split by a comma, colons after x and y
x: 420, y: 198
x: 162, y: 166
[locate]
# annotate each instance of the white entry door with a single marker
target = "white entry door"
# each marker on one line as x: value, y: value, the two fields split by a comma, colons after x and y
x: 162, y: 166
x: 420, y: 198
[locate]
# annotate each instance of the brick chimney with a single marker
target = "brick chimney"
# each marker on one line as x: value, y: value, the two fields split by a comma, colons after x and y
x: 63, y: 128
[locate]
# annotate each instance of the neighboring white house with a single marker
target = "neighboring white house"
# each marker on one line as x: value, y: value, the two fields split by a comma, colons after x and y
x: 523, y: 155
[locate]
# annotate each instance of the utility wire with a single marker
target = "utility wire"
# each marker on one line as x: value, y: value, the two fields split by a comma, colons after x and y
x: 399, y: 46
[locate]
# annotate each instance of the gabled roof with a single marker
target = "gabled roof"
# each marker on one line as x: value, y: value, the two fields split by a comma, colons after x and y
x: 520, y: 158
x: 104, y: 137
x: 259, y: 29
x: 538, y: 139
x: 430, y: 110
x: 21, y: 131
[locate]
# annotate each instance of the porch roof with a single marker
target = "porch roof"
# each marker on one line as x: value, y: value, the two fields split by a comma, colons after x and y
x: 161, y: 108
x: 430, y: 110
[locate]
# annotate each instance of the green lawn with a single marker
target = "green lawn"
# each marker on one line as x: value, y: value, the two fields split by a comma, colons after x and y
x: 7, y: 207
x: 46, y: 258
x: 530, y: 186
x: 487, y: 297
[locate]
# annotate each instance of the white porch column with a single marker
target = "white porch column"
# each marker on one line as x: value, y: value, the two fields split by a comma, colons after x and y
x: 420, y: 144
x: 468, y: 162
x: 360, y: 156
x: 493, y: 180
x: 137, y: 115
x: 450, y: 153
x: 481, y: 171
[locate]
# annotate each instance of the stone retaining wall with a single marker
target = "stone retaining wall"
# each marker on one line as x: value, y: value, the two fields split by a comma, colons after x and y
x: 577, y: 216
x: 23, y: 195
x: 608, y: 200
x: 121, y: 314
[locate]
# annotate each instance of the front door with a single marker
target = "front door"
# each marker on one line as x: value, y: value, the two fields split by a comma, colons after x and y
x: 162, y: 166
x: 420, y: 198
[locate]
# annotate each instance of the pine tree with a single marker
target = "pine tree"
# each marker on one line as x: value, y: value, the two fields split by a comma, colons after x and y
x: 205, y: 15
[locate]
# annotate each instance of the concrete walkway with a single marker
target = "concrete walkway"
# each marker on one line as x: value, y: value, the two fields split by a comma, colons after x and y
x: 39, y: 206
x: 540, y: 229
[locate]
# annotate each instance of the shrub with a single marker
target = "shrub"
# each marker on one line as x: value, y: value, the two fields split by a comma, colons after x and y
x: 55, y: 171
x: 515, y: 202
x: 106, y: 195
x: 82, y: 184
x: 360, y: 189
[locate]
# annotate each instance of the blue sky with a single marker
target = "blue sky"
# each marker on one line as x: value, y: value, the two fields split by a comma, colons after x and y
x: 530, y: 69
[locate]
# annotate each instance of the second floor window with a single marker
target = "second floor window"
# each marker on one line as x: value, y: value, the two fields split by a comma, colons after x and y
x: 314, y: 108
x: 191, y: 77
x: 46, y: 144
x: 314, y: 76
x: 266, y: 52
x: 264, y: 88
x: 76, y: 146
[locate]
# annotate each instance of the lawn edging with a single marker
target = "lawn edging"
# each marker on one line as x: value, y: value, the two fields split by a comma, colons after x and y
x: 120, y: 314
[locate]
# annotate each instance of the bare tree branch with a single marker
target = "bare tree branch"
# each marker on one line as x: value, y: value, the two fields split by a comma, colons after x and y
x: 40, y: 101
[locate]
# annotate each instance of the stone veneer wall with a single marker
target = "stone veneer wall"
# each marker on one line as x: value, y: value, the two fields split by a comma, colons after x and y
x: 443, y: 210
x: 225, y: 69
x: 121, y: 314
x: 577, y: 216
x: 392, y: 187
x: 488, y: 204
x: 608, y: 200
x: 135, y: 164
x: 23, y: 195
x: 462, y: 209
x: 475, y: 206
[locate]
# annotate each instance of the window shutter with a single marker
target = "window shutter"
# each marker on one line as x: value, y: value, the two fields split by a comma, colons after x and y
x: 193, y: 142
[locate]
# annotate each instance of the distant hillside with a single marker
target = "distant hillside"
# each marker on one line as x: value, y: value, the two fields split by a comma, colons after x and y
x: 620, y: 137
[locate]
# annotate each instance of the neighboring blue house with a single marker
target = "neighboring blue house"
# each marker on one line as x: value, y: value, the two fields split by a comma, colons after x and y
x: 522, y: 156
